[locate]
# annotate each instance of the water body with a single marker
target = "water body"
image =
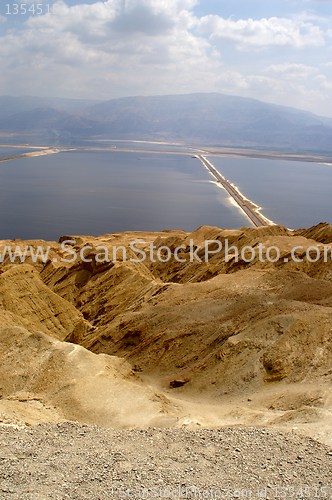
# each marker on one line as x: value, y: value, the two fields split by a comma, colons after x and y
x: 104, y: 192
x: 7, y: 151
x: 295, y: 194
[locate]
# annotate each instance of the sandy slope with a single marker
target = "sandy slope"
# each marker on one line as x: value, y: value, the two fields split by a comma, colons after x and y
x: 170, y: 345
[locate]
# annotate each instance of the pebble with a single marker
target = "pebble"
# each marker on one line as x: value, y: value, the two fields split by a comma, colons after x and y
x: 74, y: 462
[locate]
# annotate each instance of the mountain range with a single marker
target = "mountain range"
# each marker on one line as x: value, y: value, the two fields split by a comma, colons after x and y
x: 204, y: 119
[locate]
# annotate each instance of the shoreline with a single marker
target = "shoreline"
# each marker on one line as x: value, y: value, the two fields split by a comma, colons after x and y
x: 30, y: 154
x: 325, y: 159
x: 251, y: 210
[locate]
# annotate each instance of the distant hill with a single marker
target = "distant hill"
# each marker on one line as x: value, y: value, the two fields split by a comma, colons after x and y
x: 211, y: 119
x: 10, y: 105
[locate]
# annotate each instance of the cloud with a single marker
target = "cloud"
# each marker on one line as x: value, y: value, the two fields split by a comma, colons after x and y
x: 130, y: 47
x: 98, y: 49
x: 324, y: 82
x: 142, y: 19
x: 262, y: 33
x: 291, y: 70
x: 114, y: 19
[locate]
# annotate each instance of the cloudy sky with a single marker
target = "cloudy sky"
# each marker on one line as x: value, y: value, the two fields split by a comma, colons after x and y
x: 275, y: 50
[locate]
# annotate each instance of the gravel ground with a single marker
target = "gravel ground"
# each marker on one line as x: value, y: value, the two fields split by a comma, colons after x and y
x: 71, y: 461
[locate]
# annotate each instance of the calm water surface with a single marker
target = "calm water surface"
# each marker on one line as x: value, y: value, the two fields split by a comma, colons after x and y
x: 102, y: 192
x: 295, y: 194
x: 6, y: 151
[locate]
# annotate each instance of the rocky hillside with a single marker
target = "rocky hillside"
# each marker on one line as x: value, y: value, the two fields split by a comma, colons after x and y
x: 137, y: 344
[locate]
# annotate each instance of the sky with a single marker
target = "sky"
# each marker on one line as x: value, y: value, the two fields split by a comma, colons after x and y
x: 278, y: 51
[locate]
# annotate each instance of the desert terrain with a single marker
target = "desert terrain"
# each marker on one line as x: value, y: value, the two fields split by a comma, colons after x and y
x: 145, y: 355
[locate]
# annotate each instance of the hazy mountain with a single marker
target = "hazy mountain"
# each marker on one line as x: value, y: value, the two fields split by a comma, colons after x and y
x: 36, y: 119
x: 198, y: 118
x: 10, y: 105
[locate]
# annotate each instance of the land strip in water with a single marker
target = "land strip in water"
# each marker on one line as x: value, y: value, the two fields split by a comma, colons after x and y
x: 251, y: 210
